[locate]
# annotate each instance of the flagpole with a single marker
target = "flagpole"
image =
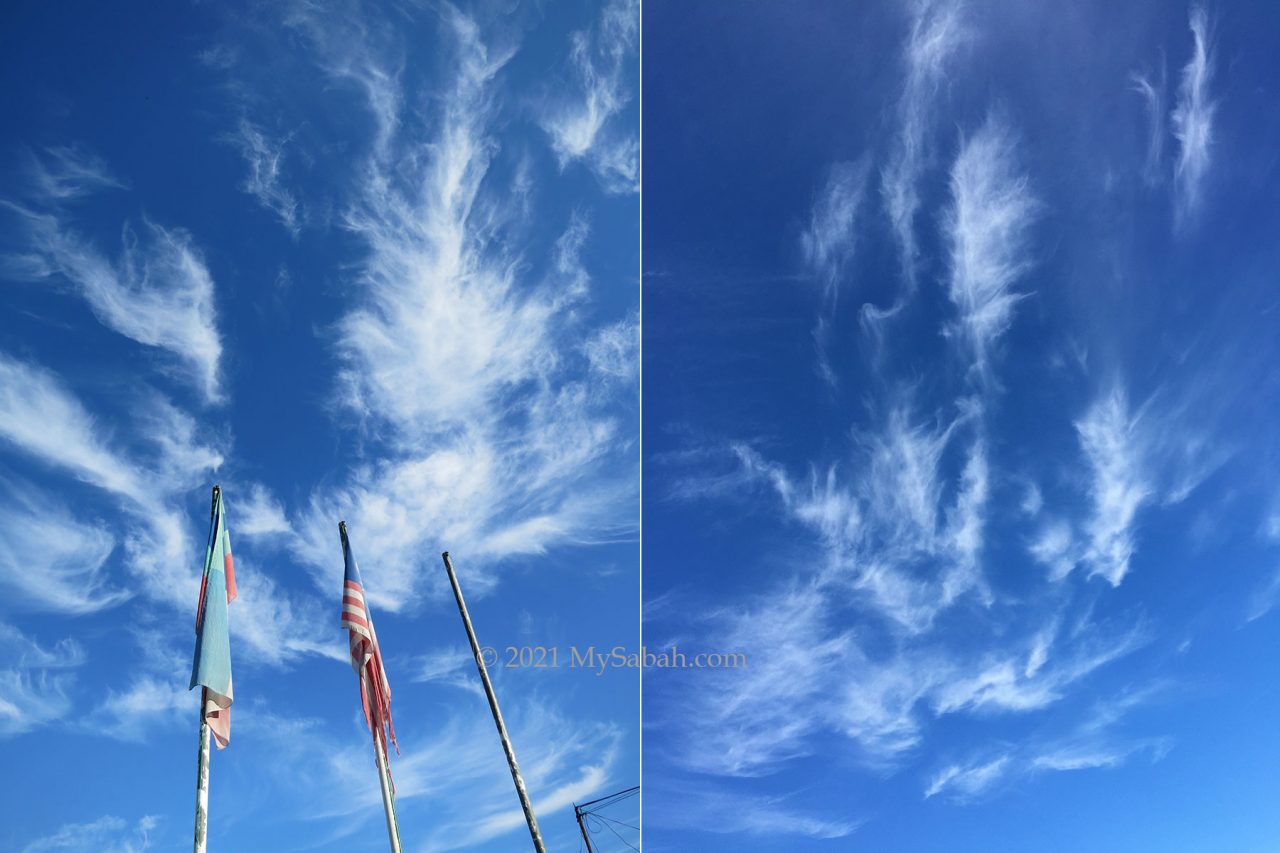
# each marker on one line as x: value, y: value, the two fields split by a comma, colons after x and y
x: 202, y: 784
x: 388, y: 804
x: 497, y: 715
x: 202, y: 763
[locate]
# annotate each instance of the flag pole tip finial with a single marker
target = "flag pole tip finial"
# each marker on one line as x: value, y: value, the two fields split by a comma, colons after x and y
x: 445, y: 554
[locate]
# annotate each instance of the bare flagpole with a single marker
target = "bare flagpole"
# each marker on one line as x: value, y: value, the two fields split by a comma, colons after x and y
x: 493, y: 706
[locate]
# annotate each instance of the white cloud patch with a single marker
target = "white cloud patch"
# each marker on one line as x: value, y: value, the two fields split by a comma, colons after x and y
x: 131, y: 713
x: 467, y: 370
x: 158, y: 291
x: 690, y: 805
x: 35, y: 680
x: 582, y: 128
x: 1193, y: 117
x: 451, y: 665
x: 968, y: 780
x: 49, y: 559
x: 67, y: 173
x: 1152, y: 92
x: 265, y: 158
x: 1135, y: 458
x: 259, y: 515
x: 748, y: 727
x: 107, y: 834
x: 829, y: 241
x: 896, y: 532
x: 40, y: 417
x: 988, y: 226
x: 562, y: 760
x: 1265, y: 598
x: 1091, y: 744
x: 1110, y: 440
x: 614, y: 351
x: 937, y: 32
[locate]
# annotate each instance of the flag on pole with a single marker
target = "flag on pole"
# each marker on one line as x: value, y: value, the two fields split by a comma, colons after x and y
x: 212, y: 665
x: 366, y: 657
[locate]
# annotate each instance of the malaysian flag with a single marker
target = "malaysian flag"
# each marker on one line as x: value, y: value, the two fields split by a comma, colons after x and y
x: 212, y: 665
x: 366, y: 657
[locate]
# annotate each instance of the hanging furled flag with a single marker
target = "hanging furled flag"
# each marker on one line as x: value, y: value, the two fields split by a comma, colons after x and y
x: 211, y: 668
x: 375, y: 691
x: 212, y: 665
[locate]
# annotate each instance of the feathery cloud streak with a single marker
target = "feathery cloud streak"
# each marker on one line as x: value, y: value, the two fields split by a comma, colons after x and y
x: 580, y: 129
x: 937, y: 32
x: 489, y: 414
x: 158, y: 292
x: 1193, y: 117
x: 988, y: 225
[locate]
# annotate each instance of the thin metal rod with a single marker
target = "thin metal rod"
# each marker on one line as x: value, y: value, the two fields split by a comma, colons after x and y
x: 577, y: 812
x: 388, y: 805
x: 202, y: 784
x: 497, y: 714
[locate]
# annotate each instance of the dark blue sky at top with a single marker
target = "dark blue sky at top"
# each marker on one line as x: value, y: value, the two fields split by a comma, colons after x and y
x: 159, y: 107
x: 744, y: 117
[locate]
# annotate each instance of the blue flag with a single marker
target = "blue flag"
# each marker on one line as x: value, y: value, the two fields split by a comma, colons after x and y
x: 212, y: 665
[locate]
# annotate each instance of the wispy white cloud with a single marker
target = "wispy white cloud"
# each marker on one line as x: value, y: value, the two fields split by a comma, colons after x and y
x: 1265, y: 597
x: 1030, y: 680
x: 265, y: 158
x: 1091, y: 744
x: 829, y: 241
x: 712, y: 807
x: 1135, y: 458
x: 451, y: 665
x: 988, y: 226
x: 35, y: 681
x: 454, y: 768
x: 937, y: 32
x: 895, y: 530
x: 259, y: 515
x: 66, y: 173
x: 158, y: 291
x: 1193, y: 116
x: 968, y: 780
x: 468, y: 372
x: 131, y: 713
x: 1110, y: 440
x: 341, y: 40
x: 1152, y: 92
x: 49, y: 559
x: 107, y: 834
x: 39, y: 416
x: 614, y: 351
x: 749, y: 727
x: 581, y: 128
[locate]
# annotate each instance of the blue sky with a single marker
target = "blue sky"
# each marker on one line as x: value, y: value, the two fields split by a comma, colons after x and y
x: 364, y: 261
x: 959, y: 403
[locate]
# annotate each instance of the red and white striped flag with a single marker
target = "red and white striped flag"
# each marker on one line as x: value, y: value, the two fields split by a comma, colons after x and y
x: 366, y: 657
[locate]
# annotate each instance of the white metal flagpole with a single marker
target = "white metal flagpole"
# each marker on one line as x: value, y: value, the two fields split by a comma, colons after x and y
x: 202, y: 784
x: 384, y: 777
